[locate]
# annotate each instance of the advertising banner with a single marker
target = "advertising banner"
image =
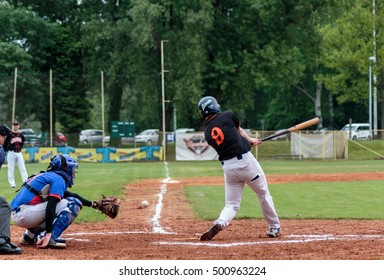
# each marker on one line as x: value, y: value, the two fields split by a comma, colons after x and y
x: 192, y: 146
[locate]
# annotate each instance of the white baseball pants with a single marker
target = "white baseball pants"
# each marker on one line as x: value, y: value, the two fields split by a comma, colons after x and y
x: 237, y: 173
x: 33, y: 216
x: 12, y: 159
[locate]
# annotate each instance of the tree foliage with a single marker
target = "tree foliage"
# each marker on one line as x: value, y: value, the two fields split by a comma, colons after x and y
x: 274, y: 63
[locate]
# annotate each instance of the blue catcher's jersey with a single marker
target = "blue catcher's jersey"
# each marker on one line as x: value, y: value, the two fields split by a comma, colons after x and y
x: 2, y: 156
x: 57, y: 188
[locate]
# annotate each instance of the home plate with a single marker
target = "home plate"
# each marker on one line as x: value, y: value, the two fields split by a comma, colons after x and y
x: 168, y: 181
x: 173, y: 182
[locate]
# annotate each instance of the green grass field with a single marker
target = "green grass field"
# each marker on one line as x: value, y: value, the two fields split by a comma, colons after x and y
x: 334, y: 200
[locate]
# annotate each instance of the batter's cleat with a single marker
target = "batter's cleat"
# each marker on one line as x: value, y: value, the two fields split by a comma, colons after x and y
x: 26, y: 240
x: 211, y: 232
x: 273, y: 232
x: 56, y: 245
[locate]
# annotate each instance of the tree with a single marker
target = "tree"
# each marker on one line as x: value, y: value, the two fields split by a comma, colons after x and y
x: 128, y: 48
x: 25, y: 49
x: 52, y: 40
x: 260, y: 51
x: 347, y: 45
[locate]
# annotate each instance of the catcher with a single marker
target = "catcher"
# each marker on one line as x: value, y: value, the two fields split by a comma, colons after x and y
x: 46, y: 208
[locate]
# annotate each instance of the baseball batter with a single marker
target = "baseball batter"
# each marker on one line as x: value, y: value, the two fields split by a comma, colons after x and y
x: 233, y: 145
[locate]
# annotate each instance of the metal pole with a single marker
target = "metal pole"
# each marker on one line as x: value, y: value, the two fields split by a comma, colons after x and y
x: 163, y: 99
x: 102, y: 106
x: 14, y: 95
x: 50, y: 109
x: 374, y: 74
x: 174, y: 118
x: 370, y: 98
x: 374, y: 105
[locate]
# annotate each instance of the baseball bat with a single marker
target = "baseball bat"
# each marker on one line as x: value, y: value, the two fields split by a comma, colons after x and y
x: 294, y: 128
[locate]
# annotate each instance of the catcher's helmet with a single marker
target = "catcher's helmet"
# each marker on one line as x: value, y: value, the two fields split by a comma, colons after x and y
x: 208, y: 105
x: 64, y: 165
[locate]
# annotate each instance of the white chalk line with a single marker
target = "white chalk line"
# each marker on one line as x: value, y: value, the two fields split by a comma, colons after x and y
x: 156, y: 227
x: 291, y: 239
x: 72, y: 236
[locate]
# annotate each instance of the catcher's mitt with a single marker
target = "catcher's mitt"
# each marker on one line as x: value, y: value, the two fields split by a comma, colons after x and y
x: 109, y: 205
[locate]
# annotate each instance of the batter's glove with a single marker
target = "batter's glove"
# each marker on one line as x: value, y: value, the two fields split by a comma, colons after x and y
x: 109, y: 205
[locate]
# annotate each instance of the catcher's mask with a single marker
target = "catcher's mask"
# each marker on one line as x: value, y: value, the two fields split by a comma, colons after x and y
x: 64, y: 165
x: 208, y: 106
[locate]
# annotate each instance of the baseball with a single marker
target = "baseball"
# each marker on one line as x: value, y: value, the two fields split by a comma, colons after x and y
x: 144, y: 203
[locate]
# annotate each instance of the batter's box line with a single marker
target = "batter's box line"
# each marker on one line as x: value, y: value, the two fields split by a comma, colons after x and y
x: 291, y: 240
x: 339, y: 236
x: 112, y: 233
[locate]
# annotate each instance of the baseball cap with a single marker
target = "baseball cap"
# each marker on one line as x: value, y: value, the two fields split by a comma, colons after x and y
x: 15, y: 123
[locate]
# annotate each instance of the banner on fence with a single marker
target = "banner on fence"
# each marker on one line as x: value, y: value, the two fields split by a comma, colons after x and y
x: 102, y: 154
x: 192, y: 146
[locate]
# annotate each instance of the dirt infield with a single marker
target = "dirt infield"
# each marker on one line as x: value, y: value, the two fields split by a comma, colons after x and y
x: 167, y: 229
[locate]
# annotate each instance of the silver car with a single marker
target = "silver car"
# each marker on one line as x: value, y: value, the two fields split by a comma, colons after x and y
x: 91, y: 136
x: 148, y: 136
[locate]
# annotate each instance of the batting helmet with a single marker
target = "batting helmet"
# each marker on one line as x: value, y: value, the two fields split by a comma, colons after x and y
x: 208, y: 105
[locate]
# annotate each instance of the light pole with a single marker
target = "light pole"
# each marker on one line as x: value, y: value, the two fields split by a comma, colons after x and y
x: 163, y: 98
x: 371, y: 59
x: 374, y: 74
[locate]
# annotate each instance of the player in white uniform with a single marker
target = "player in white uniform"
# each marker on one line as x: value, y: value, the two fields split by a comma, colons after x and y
x: 15, y: 156
x: 233, y: 145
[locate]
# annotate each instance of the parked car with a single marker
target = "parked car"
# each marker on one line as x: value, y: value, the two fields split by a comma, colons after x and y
x: 184, y: 130
x: 91, y: 136
x: 107, y: 139
x: 148, y: 136
x: 127, y: 140
x: 358, y: 131
x: 124, y: 140
x: 59, y: 139
x: 31, y: 137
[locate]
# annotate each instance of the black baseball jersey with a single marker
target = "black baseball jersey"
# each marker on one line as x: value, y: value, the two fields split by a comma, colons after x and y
x: 221, y: 132
x: 17, y: 142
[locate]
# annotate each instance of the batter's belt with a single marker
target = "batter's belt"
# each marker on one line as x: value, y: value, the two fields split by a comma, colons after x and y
x: 234, y: 159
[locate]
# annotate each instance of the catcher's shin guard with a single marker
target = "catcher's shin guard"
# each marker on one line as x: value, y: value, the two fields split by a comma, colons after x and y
x: 65, y: 217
